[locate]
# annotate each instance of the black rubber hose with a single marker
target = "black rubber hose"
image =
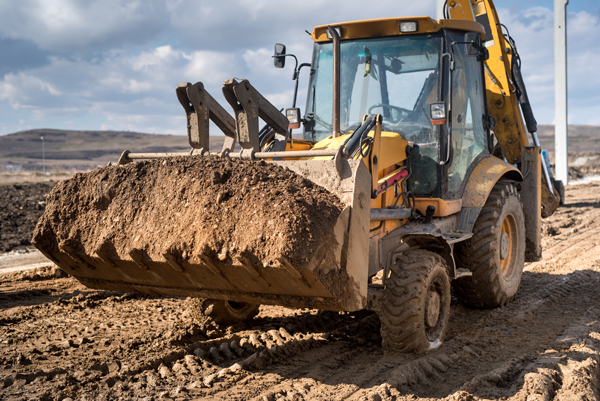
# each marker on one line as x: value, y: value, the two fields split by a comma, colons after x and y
x: 356, y: 138
x: 523, y: 98
x: 265, y: 135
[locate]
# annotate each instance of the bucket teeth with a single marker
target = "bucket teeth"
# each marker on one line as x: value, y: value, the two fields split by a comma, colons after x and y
x: 173, y: 257
x: 248, y: 266
x: 252, y: 270
x: 138, y: 256
x: 104, y: 251
x: 210, y: 265
x: 290, y: 269
x: 67, y: 247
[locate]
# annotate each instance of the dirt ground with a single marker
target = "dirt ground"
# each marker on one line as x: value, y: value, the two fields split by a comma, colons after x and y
x: 60, y: 340
x: 22, y: 206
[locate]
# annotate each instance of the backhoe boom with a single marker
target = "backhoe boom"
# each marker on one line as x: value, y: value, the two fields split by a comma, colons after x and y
x: 506, y: 93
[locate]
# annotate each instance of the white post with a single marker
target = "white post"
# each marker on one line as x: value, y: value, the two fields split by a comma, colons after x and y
x: 561, y: 143
x: 43, y: 155
x: 439, y: 9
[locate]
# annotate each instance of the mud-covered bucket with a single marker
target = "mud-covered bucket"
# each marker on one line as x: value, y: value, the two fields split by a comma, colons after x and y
x: 291, y: 233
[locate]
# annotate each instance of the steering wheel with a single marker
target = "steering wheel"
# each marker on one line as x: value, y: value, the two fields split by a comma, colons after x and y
x: 389, y: 106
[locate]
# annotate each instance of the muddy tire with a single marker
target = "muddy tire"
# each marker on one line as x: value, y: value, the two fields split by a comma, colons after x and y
x: 224, y: 312
x: 496, y: 252
x: 415, y: 305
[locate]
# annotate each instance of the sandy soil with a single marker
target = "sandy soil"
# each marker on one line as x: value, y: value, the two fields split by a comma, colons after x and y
x: 59, y: 340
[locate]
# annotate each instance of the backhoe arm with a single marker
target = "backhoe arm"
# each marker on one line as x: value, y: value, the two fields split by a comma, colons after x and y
x: 506, y: 93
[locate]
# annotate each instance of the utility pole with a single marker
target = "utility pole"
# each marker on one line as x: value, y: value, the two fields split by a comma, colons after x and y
x: 561, y: 127
x: 43, y: 155
x: 439, y: 9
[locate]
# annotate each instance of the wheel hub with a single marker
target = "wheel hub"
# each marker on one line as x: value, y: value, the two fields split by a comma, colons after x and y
x: 504, y: 246
x: 433, y: 308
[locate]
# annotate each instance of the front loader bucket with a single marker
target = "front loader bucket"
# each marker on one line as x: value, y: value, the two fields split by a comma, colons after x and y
x: 218, y: 228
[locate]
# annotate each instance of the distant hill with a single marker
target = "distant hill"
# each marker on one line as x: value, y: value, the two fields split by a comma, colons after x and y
x: 82, y: 150
x: 85, y: 150
x: 582, y: 138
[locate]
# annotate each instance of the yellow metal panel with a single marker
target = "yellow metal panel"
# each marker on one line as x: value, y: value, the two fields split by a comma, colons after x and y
x: 376, y: 28
x: 298, y: 144
x: 461, y: 10
x: 392, y: 150
x: 479, y: 8
x: 482, y: 180
x: 443, y: 208
x: 502, y: 100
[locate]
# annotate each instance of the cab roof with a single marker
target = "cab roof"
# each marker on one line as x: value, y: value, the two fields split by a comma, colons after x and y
x: 375, y: 28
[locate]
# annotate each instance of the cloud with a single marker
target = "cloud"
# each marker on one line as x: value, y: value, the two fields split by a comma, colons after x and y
x: 242, y: 24
x: 25, y: 91
x: 533, y: 31
x: 116, y: 63
x: 80, y: 26
x: 211, y: 66
x: 20, y: 54
x: 121, y: 88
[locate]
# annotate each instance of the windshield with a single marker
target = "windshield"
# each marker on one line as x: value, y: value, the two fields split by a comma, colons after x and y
x: 397, y: 77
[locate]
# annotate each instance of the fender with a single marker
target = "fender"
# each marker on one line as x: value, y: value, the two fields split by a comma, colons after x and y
x: 480, y: 183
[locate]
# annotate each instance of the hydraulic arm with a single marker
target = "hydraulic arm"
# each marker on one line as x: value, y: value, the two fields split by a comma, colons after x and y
x: 506, y: 93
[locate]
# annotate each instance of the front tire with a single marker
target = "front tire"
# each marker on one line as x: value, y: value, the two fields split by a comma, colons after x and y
x: 224, y: 313
x: 496, y: 252
x: 415, y: 304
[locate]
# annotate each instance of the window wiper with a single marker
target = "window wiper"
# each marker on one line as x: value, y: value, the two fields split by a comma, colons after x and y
x: 323, y: 122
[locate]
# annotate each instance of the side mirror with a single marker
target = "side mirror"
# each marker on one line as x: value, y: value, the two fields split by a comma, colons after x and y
x: 279, y: 56
x: 473, y: 43
x: 475, y: 47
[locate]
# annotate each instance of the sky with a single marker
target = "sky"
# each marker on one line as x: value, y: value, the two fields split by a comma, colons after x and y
x: 115, y: 64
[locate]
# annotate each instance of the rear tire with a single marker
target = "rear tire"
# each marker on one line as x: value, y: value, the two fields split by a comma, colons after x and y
x: 415, y: 304
x: 496, y: 252
x: 224, y: 312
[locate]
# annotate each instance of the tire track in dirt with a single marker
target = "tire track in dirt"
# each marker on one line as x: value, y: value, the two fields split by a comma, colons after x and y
x: 543, y: 302
x: 405, y: 372
x: 468, y: 355
x: 221, y: 350
x: 58, y: 339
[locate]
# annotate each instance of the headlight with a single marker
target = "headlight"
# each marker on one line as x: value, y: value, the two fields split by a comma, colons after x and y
x: 438, y: 113
x: 293, y: 116
x: 408, y: 26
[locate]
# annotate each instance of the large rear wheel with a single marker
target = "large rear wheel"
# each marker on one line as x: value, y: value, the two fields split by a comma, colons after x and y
x: 415, y: 304
x: 496, y: 252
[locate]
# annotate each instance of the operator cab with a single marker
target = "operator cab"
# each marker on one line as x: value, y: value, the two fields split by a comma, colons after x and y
x: 404, y: 76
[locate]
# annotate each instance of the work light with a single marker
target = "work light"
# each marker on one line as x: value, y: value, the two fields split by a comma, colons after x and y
x: 293, y: 116
x: 408, y: 26
x: 438, y: 113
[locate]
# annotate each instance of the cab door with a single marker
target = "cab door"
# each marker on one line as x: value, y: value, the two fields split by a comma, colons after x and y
x: 468, y: 106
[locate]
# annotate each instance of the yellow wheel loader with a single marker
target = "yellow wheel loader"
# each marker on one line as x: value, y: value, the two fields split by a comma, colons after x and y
x: 419, y: 170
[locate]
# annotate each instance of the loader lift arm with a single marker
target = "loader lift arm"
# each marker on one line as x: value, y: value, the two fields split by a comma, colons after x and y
x: 248, y: 105
x: 200, y: 107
